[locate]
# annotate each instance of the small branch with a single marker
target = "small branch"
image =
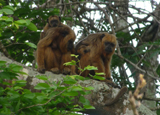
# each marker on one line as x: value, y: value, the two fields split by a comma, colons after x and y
x: 151, y: 99
x: 156, y: 108
x: 46, y: 102
x: 81, y: 21
x: 144, y: 55
x: 136, y: 95
x: 138, y: 68
x: 4, y: 50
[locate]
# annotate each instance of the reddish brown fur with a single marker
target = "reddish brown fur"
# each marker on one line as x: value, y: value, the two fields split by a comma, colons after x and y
x: 52, y: 59
x: 96, y: 55
x: 49, y: 25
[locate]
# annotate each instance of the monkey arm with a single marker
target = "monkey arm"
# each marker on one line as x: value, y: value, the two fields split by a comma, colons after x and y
x: 41, y: 47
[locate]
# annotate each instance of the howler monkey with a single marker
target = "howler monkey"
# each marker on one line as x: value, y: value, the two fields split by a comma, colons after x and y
x: 52, y: 21
x: 97, y: 50
x: 52, y: 59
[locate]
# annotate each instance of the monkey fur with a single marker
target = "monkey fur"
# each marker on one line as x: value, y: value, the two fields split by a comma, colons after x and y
x: 52, y: 58
x: 52, y: 21
x: 97, y: 50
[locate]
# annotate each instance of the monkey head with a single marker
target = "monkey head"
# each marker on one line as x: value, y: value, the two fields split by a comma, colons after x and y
x: 54, y: 21
x: 108, y: 43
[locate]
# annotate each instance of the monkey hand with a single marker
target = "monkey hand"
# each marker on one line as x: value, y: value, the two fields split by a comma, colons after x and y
x: 66, y: 71
x: 55, y: 70
x: 64, y: 31
x: 41, y: 70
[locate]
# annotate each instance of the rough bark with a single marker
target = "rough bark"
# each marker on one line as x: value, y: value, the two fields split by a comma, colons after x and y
x: 101, y: 94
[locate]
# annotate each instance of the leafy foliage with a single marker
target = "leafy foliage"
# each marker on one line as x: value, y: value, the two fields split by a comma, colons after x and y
x: 53, y: 98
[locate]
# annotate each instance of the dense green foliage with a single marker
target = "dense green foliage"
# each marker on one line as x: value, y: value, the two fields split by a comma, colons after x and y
x: 53, y: 98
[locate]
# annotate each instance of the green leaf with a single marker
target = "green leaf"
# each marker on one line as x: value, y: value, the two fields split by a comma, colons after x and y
x: 32, y: 27
x: 42, y: 77
x: 13, y: 94
x: 21, y: 81
x: 8, y: 75
x: 15, y: 68
x: 28, y: 22
x: 29, y: 95
x: 17, y: 106
x: 8, y: 7
x: 3, y: 18
x: 88, y: 107
x: 1, y: 11
x: 73, y: 55
x: 7, y: 11
x: 10, y: 19
x: 42, y: 86
x: 76, y: 88
x: 3, y: 63
x: 71, y: 93
x: 90, y: 68
x: 68, y: 18
x: 53, y: 94
x: 77, y: 77
x: 31, y: 44
x: 70, y: 63
x: 84, y: 101
x: 98, y: 77
x: 100, y: 73
x: 69, y: 80
x: 20, y: 22
x: 17, y: 26
x: 41, y: 96
x: 89, y: 88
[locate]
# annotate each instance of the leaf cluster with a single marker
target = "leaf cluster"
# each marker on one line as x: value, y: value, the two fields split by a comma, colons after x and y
x: 52, y: 98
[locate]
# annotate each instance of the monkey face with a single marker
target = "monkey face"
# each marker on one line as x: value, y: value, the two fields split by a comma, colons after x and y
x: 109, y: 43
x: 109, y: 47
x: 54, y: 21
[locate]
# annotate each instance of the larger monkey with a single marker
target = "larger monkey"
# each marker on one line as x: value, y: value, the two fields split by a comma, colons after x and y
x: 52, y: 59
x: 97, y: 50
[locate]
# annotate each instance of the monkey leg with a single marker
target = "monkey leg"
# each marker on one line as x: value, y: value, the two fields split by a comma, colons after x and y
x: 107, y: 71
x: 51, y: 62
x: 108, y: 75
x: 100, y: 65
x: 40, y: 54
x: 84, y: 62
x: 66, y: 58
x: 40, y: 59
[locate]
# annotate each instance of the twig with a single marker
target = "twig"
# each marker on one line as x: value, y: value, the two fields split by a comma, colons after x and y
x: 4, y: 50
x: 136, y: 95
x: 138, y: 68
x: 44, y: 103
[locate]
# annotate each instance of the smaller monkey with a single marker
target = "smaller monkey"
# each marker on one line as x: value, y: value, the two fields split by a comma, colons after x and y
x: 52, y: 21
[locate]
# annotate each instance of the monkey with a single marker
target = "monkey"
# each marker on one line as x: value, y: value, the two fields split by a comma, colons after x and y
x: 52, y: 21
x: 97, y: 50
x: 52, y: 59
